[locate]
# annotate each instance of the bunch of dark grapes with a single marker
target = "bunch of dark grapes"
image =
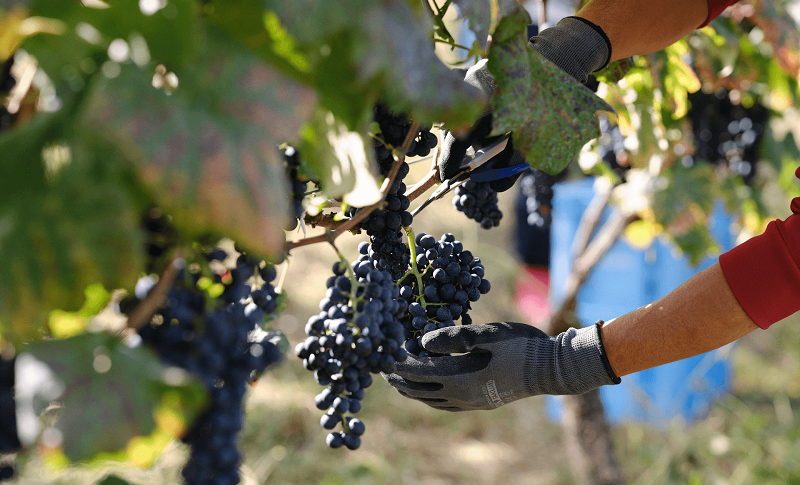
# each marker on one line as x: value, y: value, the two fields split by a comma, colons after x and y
x: 477, y: 200
x: 385, y: 229
x: 452, y: 278
x: 357, y: 334
x: 726, y: 133
x: 297, y: 188
x: 385, y: 226
x: 394, y: 129
x: 9, y: 442
x: 7, y: 472
x: 225, y: 348
x: 536, y: 187
x: 534, y: 215
x: 160, y: 237
x: 7, y: 82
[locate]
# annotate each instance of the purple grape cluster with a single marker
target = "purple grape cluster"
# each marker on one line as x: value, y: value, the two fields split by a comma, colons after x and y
x: 452, y: 279
x: 7, y: 82
x: 537, y: 188
x: 394, y: 129
x: 477, y: 200
x: 227, y: 351
x: 356, y: 334
x: 385, y: 229
x: 726, y: 133
x: 9, y: 441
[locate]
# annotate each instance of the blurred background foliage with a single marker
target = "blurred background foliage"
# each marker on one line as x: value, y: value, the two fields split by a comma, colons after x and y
x: 119, y: 106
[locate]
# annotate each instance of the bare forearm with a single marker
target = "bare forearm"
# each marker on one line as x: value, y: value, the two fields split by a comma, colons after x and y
x: 700, y: 315
x: 644, y: 26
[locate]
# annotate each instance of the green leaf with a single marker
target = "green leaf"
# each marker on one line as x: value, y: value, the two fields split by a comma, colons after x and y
x: 67, y: 324
x: 687, y: 187
x: 109, y: 392
x: 113, y: 480
x: 483, y: 15
x: 615, y: 71
x: 208, y: 151
x: 416, y: 81
x: 68, y: 219
x: 362, y: 51
x: 696, y: 242
x: 261, y: 31
x: 781, y: 32
x: 169, y: 36
x: 341, y: 160
x: 551, y: 115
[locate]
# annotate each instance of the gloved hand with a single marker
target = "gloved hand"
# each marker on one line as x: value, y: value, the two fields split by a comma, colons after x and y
x: 575, y: 45
x: 502, y: 362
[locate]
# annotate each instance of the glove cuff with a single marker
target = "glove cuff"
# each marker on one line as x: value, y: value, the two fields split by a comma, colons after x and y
x: 611, y: 374
x: 576, y: 45
x: 572, y: 362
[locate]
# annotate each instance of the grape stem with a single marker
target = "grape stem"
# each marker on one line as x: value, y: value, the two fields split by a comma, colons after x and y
x: 412, y: 247
x: 154, y: 300
x: 348, y: 224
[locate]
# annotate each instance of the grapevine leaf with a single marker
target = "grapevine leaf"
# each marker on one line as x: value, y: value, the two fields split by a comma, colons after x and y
x: 340, y: 159
x: 113, y: 480
x: 483, y: 15
x: 209, y: 150
x: 417, y: 82
x: 68, y: 324
x: 169, y: 36
x: 10, y: 21
x: 551, y: 115
x: 687, y: 188
x: 372, y: 50
x: 68, y: 218
x: 781, y: 33
x: 108, y: 392
x: 261, y: 31
x: 696, y: 242
x: 615, y: 71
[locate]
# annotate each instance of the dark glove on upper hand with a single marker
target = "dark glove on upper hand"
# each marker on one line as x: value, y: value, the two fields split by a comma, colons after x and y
x: 575, y: 45
x: 454, y: 149
x: 502, y: 362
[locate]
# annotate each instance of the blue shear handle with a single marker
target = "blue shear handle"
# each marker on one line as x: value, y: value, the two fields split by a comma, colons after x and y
x: 485, y: 173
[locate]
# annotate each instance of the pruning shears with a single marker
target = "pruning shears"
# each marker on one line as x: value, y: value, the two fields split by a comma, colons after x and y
x: 479, y: 168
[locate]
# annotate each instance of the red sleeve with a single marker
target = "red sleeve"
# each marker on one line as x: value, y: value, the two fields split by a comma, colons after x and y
x: 715, y: 7
x: 764, y: 272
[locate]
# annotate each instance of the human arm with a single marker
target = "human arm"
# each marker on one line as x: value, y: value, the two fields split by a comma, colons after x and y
x: 643, y: 26
x: 700, y: 315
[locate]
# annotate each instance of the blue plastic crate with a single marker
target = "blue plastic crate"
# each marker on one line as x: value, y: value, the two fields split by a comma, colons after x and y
x: 627, y: 278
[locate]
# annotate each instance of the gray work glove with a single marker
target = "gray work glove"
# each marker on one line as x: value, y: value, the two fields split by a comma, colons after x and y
x: 575, y: 45
x: 502, y: 362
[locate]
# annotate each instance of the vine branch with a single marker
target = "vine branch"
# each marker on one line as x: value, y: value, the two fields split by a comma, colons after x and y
x: 348, y: 224
x: 154, y: 300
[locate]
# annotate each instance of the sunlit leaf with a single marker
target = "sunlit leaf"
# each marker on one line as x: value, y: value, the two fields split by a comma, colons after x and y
x: 340, y: 159
x: 483, y: 15
x: 781, y: 33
